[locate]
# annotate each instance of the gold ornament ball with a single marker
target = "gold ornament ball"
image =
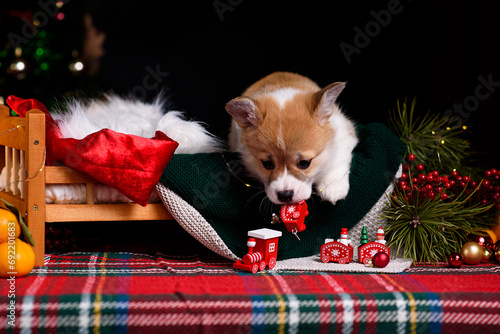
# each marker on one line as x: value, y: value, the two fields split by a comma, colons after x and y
x: 472, y: 252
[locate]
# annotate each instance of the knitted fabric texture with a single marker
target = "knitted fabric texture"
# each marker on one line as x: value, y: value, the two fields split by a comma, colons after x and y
x: 191, y: 220
x: 213, y: 185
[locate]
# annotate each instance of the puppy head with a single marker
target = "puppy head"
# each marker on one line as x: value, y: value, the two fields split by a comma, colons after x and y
x: 284, y: 141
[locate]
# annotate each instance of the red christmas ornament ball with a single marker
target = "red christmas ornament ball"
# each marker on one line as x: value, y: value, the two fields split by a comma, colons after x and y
x: 455, y: 260
x: 486, y: 242
x: 496, y: 250
x: 381, y: 260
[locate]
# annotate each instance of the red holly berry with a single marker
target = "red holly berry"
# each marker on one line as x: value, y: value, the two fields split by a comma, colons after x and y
x: 444, y: 196
x: 411, y: 157
x: 420, y: 167
x: 488, y: 173
x: 454, y: 173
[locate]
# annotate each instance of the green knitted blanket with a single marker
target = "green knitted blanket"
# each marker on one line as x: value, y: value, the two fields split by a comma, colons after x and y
x: 214, y: 184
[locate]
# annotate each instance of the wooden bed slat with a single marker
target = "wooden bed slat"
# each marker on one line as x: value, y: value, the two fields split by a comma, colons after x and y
x: 8, y: 170
x: 62, y: 174
x: 105, y: 212
x: 23, y: 173
x: 16, y: 159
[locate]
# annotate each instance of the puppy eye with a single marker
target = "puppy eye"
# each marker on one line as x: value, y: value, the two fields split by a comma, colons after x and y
x: 304, y: 164
x: 268, y: 164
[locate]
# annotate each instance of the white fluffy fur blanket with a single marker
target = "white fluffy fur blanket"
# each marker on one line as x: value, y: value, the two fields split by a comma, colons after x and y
x: 79, y: 118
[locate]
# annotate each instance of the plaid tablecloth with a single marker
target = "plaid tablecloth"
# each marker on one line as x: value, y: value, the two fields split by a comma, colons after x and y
x: 137, y: 293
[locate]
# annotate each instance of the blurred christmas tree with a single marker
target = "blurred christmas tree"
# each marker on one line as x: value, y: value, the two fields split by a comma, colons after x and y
x: 48, y: 50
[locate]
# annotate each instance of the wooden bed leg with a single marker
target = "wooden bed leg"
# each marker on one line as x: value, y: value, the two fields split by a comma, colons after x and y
x: 35, y: 181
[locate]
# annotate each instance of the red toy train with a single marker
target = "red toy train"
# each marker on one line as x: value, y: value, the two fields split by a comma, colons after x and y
x: 262, y: 250
x: 367, y: 251
x: 340, y: 251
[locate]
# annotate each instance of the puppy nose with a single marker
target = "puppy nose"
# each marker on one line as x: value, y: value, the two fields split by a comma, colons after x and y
x: 285, y: 196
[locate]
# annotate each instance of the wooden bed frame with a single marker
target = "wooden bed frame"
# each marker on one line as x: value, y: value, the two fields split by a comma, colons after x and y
x: 22, y: 145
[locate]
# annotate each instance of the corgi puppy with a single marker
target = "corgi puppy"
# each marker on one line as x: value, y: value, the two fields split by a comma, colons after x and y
x: 292, y: 136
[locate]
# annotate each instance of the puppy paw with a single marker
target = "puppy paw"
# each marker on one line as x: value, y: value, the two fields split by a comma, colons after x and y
x: 333, y: 191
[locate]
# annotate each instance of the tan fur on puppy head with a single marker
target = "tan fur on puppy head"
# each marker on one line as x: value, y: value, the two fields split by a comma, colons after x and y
x: 286, y: 135
x: 291, y: 135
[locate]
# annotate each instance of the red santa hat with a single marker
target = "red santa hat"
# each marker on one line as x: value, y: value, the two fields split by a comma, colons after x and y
x: 380, y: 231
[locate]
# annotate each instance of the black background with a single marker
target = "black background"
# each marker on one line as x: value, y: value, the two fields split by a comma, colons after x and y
x: 433, y: 51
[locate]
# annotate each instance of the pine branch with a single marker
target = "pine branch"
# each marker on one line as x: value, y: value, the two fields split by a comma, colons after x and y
x: 432, y: 139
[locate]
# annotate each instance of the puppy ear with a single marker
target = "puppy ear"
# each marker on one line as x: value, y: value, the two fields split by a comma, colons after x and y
x: 325, y: 100
x: 244, y: 111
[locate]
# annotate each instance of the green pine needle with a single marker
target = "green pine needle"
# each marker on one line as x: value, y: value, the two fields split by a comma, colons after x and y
x: 434, y: 140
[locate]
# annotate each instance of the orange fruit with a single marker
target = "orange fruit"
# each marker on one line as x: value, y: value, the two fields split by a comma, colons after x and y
x: 9, y: 226
x: 496, y: 228
x: 17, y: 258
x: 492, y: 235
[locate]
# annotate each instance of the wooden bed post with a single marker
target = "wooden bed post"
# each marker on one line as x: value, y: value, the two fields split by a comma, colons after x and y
x: 35, y: 181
